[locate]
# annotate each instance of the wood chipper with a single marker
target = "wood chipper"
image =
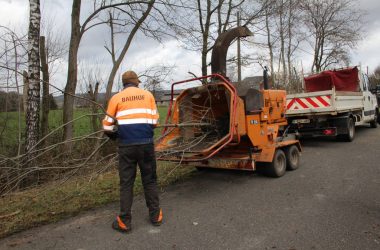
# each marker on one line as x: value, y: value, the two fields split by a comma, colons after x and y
x: 211, y: 125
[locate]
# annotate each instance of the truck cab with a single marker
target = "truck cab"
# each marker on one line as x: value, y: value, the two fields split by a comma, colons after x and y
x: 370, y: 105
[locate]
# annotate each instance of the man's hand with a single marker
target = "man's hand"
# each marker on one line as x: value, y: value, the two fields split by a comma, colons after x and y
x: 111, y: 134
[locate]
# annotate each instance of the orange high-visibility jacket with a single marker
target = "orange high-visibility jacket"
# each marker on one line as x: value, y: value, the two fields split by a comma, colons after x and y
x: 136, y: 113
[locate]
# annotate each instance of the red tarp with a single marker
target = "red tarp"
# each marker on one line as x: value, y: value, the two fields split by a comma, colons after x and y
x: 343, y: 80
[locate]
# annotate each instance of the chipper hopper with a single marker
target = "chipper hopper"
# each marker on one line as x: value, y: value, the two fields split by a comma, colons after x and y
x: 211, y: 125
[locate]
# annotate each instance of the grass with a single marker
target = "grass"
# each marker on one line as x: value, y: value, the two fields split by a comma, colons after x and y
x: 54, y: 201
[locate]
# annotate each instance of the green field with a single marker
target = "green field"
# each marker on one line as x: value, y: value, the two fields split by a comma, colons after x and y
x: 9, y: 126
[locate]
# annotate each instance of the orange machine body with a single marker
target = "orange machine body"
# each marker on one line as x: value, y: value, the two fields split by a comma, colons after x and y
x: 254, y: 130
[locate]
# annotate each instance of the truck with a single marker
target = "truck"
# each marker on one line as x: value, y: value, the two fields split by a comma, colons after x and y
x: 332, y: 104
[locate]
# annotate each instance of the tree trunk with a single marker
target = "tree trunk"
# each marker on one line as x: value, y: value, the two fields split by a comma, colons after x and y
x: 33, y: 101
x: 116, y: 64
x: 93, y: 92
x: 45, y: 89
x: 282, y: 40
x: 270, y: 47
x: 289, y: 52
x: 205, y: 33
x: 204, y: 62
x: 71, y: 84
x: 33, y: 105
x: 25, y: 91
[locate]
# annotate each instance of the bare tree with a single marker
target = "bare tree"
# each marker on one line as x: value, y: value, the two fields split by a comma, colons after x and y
x: 374, y: 79
x: 93, y: 94
x: 334, y: 27
x: 284, y: 35
x: 56, y: 47
x: 45, y: 88
x: 154, y: 77
x: 214, y: 17
x: 116, y: 60
x: 77, y: 31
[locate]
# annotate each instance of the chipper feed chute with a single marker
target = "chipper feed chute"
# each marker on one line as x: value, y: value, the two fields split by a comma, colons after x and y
x: 205, y: 120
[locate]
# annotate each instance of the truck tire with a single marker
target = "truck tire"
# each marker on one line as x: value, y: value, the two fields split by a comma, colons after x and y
x: 292, y: 157
x: 277, y: 167
x: 373, y: 123
x: 349, y: 137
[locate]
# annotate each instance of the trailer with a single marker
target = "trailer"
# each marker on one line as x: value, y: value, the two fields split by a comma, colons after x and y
x: 212, y: 126
x: 334, y: 102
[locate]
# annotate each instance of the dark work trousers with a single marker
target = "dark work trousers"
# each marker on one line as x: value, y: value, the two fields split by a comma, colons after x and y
x: 129, y: 157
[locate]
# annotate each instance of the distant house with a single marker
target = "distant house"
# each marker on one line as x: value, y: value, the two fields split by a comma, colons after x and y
x: 163, y: 97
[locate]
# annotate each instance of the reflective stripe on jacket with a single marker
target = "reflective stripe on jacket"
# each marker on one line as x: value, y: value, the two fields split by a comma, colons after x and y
x: 136, y: 113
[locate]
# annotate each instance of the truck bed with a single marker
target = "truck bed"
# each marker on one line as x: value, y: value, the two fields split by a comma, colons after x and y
x: 323, y: 102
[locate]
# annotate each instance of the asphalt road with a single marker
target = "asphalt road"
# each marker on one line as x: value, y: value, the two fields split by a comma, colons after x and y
x: 331, y: 202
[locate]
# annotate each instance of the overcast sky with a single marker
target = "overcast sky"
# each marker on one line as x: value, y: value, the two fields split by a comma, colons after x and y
x: 145, y: 53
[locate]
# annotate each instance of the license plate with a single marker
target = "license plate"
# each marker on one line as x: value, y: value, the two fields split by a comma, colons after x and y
x: 298, y: 121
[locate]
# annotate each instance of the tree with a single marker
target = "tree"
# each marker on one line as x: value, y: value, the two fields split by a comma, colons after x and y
x: 33, y: 104
x: 284, y: 35
x: 52, y: 103
x: 374, y: 78
x: 77, y: 32
x: 153, y: 78
x: 116, y: 61
x: 334, y: 27
x: 45, y: 88
x: 200, y: 31
x: 52, y: 49
x: 93, y: 95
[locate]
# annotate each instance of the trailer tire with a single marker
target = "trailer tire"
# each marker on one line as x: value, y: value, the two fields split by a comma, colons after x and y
x: 292, y: 157
x: 349, y: 137
x: 277, y: 167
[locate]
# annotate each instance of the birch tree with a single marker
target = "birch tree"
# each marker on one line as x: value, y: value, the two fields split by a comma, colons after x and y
x: 33, y: 104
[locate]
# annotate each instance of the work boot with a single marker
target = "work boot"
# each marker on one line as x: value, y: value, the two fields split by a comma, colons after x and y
x: 121, y: 225
x: 156, y: 217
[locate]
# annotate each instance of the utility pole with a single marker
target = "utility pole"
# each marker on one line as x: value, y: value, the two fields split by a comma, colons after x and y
x: 238, y: 50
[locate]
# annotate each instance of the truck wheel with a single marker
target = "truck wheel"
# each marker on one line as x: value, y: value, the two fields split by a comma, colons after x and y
x: 277, y: 167
x: 373, y: 123
x: 351, y: 131
x: 292, y: 157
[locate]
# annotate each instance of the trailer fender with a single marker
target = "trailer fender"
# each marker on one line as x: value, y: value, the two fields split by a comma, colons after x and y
x: 288, y: 143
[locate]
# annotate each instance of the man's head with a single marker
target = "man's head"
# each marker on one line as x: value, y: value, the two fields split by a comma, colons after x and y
x: 130, y: 77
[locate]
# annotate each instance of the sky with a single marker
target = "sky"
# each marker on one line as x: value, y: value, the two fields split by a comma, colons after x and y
x: 145, y: 53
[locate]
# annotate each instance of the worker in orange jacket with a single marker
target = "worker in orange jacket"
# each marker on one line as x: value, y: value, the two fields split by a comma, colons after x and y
x: 136, y: 113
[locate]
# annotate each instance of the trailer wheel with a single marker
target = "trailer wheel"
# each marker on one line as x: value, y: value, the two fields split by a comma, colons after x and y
x: 350, y: 131
x: 277, y: 167
x: 292, y: 157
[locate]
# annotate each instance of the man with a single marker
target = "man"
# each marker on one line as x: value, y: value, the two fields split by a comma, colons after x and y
x: 136, y: 113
